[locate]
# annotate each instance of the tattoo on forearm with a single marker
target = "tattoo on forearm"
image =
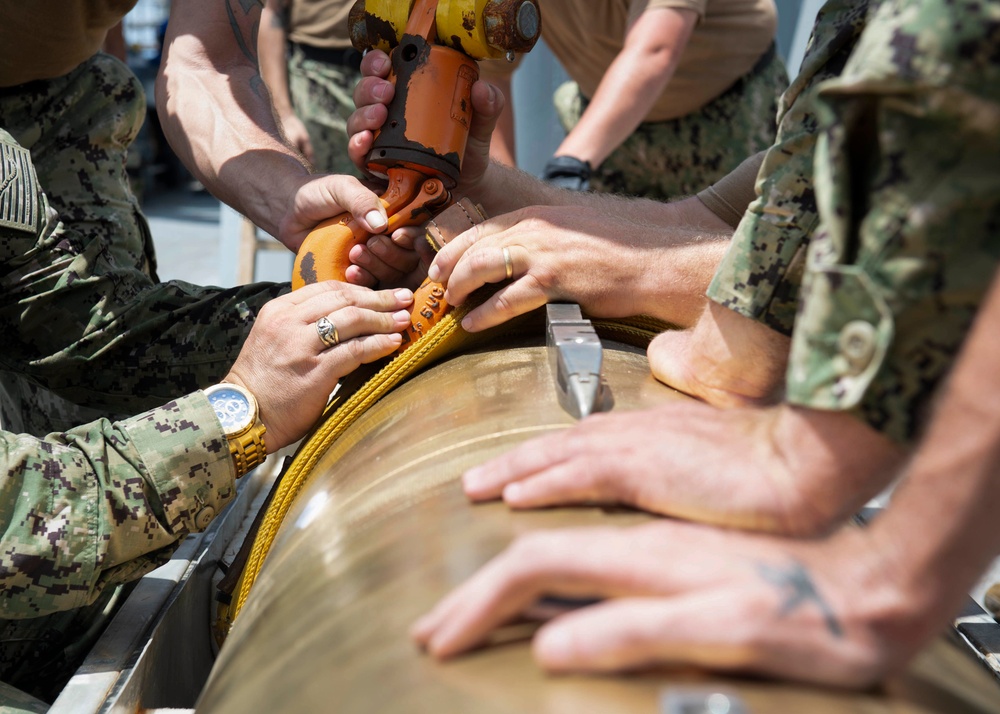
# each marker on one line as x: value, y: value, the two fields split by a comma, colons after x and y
x: 245, y: 22
x: 800, y: 590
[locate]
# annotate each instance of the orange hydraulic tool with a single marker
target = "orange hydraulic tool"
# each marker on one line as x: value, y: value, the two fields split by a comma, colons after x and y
x: 433, y: 46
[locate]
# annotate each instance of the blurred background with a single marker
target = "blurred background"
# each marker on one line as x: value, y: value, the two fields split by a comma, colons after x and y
x: 189, y: 225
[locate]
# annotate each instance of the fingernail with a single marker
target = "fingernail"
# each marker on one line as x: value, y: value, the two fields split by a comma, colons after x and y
x: 404, y: 295
x: 401, y: 316
x: 513, y: 491
x: 375, y: 219
x: 470, y: 479
x: 378, y: 247
x: 434, y: 273
x: 556, y: 645
x: 380, y: 65
x: 467, y: 324
x: 380, y: 90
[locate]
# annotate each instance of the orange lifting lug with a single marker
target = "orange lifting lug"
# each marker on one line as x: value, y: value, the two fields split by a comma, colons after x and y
x: 420, y: 147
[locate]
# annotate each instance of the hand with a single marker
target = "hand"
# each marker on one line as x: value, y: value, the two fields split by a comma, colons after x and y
x: 557, y: 253
x: 292, y: 373
x: 401, y: 259
x: 317, y: 198
x: 782, y: 469
x: 726, y: 359
x: 297, y: 135
x: 678, y: 594
x: 373, y: 94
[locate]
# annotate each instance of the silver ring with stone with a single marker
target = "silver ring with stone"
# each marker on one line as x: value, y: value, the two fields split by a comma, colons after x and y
x: 327, y: 332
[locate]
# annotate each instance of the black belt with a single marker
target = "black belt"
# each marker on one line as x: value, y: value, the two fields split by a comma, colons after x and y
x: 348, y: 57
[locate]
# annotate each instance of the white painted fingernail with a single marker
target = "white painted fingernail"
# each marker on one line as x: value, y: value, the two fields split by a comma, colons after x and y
x: 375, y: 219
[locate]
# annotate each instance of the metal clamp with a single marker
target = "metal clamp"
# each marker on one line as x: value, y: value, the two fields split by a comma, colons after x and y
x: 576, y: 356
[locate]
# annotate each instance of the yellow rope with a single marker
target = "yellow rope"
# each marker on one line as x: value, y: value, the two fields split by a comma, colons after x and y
x: 443, y: 339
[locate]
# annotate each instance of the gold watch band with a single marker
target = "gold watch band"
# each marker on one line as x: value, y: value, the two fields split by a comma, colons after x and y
x: 248, y: 449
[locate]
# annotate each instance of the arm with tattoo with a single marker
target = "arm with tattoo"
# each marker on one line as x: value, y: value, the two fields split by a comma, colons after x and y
x: 847, y: 609
x: 217, y: 115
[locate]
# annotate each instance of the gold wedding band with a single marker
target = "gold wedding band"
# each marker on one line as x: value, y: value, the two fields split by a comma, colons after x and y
x: 508, y: 264
x: 327, y: 332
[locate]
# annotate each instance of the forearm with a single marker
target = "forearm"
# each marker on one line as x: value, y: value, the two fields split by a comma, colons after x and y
x: 631, y: 85
x: 271, y: 41
x: 939, y: 533
x: 115, y: 494
x: 217, y: 116
x: 674, y: 248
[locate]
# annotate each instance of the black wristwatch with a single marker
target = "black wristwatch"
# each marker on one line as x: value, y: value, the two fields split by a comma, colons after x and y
x: 568, y: 172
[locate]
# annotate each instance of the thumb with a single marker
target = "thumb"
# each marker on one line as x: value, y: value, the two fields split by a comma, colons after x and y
x: 487, y: 104
x: 362, y: 203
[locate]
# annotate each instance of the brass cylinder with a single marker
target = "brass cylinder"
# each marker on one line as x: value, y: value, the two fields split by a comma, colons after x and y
x: 382, y: 531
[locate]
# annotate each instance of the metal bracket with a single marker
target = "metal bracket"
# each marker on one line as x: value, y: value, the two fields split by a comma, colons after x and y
x: 576, y: 356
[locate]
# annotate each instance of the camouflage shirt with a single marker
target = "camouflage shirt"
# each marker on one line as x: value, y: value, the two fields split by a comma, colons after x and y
x: 104, y: 503
x: 876, y: 257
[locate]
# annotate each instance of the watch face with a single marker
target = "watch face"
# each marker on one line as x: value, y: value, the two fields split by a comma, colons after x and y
x: 232, y: 407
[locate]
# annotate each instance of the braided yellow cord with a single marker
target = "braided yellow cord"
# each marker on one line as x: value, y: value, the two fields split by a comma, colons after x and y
x: 445, y: 337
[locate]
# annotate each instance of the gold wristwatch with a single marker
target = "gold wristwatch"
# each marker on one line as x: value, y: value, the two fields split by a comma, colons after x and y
x: 240, y: 419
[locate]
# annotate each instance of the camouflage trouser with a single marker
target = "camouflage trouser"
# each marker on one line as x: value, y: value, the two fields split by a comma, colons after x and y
x: 323, y: 98
x: 668, y: 159
x: 39, y: 655
x: 88, y: 331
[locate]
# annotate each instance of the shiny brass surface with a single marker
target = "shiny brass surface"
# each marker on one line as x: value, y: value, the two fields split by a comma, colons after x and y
x: 382, y: 531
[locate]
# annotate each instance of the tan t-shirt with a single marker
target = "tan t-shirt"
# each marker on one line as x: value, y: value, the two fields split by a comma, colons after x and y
x: 44, y: 39
x: 320, y: 23
x: 729, y: 197
x: 731, y: 35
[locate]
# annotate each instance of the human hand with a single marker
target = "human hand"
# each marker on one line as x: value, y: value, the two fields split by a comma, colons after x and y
x: 557, y: 253
x: 297, y: 135
x: 291, y: 372
x: 679, y: 594
x: 319, y: 197
x: 726, y: 359
x: 783, y: 469
x: 372, y: 96
x: 401, y: 259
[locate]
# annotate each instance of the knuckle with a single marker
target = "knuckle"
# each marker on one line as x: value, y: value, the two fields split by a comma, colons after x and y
x: 502, y: 304
x: 356, y: 349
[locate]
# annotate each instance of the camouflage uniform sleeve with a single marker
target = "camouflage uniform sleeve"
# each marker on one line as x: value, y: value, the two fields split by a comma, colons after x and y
x: 106, y: 502
x: 909, y: 191
x: 762, y: 271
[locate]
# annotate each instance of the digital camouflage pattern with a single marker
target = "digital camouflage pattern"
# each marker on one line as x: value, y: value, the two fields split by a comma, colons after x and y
x: 88, y: 333
x: 94, y: 507
x: 883, y: 272
x: 669, y: 159
x: 323, y: 98
x: 88, y: 330
x: 762, y: 272
x: 909, y: 194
